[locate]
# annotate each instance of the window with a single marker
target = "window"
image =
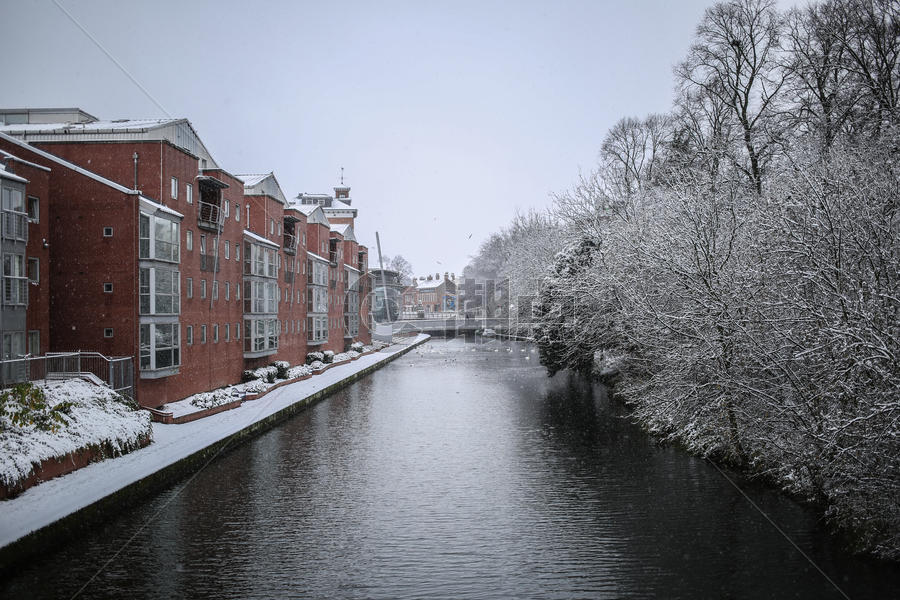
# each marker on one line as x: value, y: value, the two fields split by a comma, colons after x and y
x: 271, y: 226
x: 237, y: 331
x: 237, y: 213
x: 237, y: 291
x: 203, y: 334
x: 227, y: 249
x: 159, y: 291
x: 189, y: 193
x: 108, y: 332
x: 215, y: 290
x: 316, y: 329
x: 237, y: 252
x: 13, y: 345
x: 227, y: 332
x: 202, y: 244
x: 189, y: 287
x: 174, y: 188
x: 15, y: 219
x: 260, y: 335
x: 226, y: 208
x: 159, y: 238
x: 189, y: 335
x: 260, y: 297
x: 189, y: 240
x: 202, y: 288
x: 107, y: 287
x: 34, y: 270
x: 160, y: 348
x: 227, y: 290
x: 34, y: 342
x: 107, y: 232
x: 15, y: 281
x: 34, y: 209
x: 216, y: 333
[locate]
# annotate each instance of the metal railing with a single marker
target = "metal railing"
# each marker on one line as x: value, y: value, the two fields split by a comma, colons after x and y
x: 116, y: 372
x: 209, y: 216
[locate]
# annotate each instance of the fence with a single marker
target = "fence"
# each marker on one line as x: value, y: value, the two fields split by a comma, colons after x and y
x: 116, y: 372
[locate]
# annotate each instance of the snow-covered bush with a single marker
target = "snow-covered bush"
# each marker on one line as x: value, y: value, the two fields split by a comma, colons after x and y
x: 95, y: 417
x: 313, y: 357
x: 212, y: 399
x: 299, y: 371
x: 357, y: 347
x: 328, y: 357
x: 255, y: 386
x: 317, y: 365
x: 281, y: 369
x: 249, y: 376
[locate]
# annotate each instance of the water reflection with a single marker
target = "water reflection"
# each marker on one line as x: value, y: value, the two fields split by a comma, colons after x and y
x: 458, y: 471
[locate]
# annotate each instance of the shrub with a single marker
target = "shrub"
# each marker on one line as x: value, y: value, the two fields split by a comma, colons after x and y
x: 313, y: 357
x: 249, y: 376
x: 328, y: 358
x: 25, y: 404
x: 281, y: 369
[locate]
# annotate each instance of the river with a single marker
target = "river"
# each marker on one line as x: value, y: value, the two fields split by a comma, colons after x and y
x: 459, y: 471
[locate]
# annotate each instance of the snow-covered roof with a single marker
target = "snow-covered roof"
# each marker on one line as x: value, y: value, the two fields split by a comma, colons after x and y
x: 262, y: 184
x: 346, y: 230
x: 260, y: 239
x: 432, y: 284
x: 316, y: 256
x: 313, y: 212
x: 11, y: 176
x: 67, y: 164
x: 156, y: 206
x: 6, y: 154
x: 179, y: 132
x: 251, y: 179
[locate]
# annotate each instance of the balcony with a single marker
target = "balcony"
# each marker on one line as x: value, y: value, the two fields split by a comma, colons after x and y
x: 288, y: 276
x: 290, y: 243
x: 209, y: 216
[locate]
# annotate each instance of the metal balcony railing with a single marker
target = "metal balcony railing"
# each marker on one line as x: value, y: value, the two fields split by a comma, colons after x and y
x: 116, y: 372
x: 290, y: 243
x: 209, y: 216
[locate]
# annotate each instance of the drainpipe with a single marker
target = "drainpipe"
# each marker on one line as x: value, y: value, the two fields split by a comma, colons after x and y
x: 135, y: 157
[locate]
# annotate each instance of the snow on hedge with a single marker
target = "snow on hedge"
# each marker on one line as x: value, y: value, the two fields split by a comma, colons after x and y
x: 89, y: 415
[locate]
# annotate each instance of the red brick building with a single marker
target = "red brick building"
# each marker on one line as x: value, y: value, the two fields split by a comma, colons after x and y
x: 199, y: 275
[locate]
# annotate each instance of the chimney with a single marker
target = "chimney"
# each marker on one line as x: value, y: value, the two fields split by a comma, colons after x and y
x: 437, y: 275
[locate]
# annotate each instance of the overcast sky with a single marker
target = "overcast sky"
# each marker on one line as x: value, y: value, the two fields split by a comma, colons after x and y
x: 446, y: 116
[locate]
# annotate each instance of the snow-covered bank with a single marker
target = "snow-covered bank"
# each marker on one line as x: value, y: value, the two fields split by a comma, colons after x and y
x: 64, y: 417
x: 59, y: 498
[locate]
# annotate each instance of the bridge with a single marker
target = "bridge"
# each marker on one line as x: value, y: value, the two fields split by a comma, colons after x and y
x: 450, y: 326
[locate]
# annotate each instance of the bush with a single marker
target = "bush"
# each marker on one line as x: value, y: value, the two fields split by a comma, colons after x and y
x: 281, y: 369
x: 357, y: 347
x: 25, y: 404
x: 313, y: 357
x: 328, y: 358
x: 249, y: 376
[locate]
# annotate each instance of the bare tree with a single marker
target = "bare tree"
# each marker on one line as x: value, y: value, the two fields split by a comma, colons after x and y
x: 734, y: 60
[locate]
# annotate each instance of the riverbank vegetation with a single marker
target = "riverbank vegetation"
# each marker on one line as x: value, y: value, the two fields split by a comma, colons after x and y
x: 54, y: 420
x: 742, y: 252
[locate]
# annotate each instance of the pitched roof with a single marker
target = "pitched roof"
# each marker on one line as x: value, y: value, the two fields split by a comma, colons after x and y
x: 257, y: 184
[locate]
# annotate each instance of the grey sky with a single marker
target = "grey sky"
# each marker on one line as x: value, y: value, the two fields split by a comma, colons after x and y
x: 447, y: 116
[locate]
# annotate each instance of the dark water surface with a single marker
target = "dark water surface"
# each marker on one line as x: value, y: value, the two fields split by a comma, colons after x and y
x: 457, y: 472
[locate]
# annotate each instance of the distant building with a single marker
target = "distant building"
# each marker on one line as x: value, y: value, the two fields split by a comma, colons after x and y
x: 436, y: 294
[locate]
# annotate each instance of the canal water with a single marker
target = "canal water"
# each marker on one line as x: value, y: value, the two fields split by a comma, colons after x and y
x: 458, y: 471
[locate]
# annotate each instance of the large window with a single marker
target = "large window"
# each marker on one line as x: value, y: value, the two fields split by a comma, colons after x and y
x: 160, y: 348
x: 260, y: 297
x: 260, y: 335
x: 317, y: 299
x: 317, y: 272
x: 160, y: 292
x: 159, y: 239
x: 15, y: 219
x: 259, y: 260
x: 316, y: 329
x: 15, y: 280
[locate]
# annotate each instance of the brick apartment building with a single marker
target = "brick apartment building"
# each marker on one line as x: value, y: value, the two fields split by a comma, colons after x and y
x: 199, y: 275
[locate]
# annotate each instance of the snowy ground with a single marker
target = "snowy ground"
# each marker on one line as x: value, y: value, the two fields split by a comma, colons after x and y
x: 95, y: 418
x: 44, y: 504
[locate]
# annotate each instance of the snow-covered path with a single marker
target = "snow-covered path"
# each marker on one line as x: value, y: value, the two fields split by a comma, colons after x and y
x: 53, y: 500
